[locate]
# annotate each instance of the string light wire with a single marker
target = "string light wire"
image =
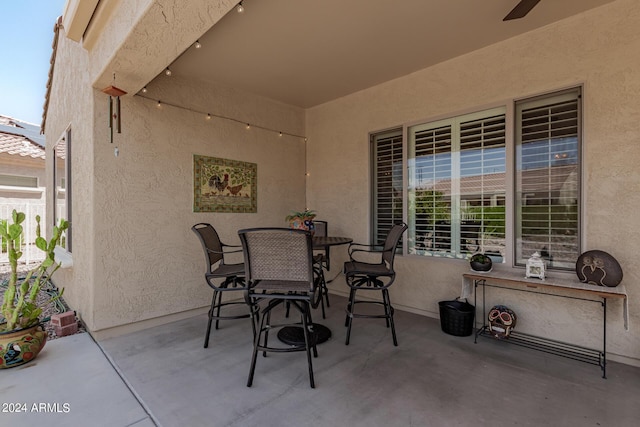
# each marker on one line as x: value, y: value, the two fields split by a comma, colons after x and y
x: 219, y: 116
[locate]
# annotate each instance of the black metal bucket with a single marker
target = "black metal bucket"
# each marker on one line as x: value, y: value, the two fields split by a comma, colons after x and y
x: 456, y: 317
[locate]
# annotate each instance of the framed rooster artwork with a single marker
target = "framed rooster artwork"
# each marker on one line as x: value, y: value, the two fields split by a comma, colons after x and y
x: 223, y: 185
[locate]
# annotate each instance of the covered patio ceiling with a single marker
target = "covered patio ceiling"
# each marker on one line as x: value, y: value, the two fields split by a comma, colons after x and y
x: 305, y: 53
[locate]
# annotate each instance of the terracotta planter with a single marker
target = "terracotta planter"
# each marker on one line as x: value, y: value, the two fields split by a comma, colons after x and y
x: 21, y: 346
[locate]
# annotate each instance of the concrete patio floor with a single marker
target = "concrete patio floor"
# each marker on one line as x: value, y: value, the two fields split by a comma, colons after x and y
x: 430, y: 379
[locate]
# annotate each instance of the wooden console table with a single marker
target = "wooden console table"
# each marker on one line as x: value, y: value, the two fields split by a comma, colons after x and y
x: 515, y: 280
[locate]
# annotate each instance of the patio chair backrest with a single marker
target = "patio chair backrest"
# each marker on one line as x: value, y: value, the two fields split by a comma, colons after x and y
x: 279, y: 254
x: 320, y: 228
x: 391, y: 243
x: 210, y: 243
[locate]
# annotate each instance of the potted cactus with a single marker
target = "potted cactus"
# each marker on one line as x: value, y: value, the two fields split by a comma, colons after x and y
x: 22, y: 335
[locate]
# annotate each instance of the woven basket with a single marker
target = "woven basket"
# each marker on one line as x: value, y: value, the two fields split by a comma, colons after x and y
x: 456, y: 317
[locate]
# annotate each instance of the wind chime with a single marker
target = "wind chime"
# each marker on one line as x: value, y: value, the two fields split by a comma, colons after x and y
x: 114, y: 113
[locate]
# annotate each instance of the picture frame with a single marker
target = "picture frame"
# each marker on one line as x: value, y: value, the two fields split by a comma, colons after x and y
x: 224, y: 185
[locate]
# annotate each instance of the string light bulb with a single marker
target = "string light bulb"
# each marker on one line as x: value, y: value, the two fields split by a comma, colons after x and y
x: 248, y: 126
x: 197, y: 45
x: 240, y: 8
x: 208, y: 116
x: 159, y: 104
x: 280, y: 134
x: 144, y: 89
x: 167, y: 71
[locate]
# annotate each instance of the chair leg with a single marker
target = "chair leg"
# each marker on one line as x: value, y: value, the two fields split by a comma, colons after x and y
x: 256, y: 343
x: 307, y: 341
x: 254, y: 313
x: 213, y: 304
x: 389, y: 311
x: 350, y: 308
x: 351, y: 299
x: 322, y: 302
x: 387, y: 307
x: 322, y: 288
x: 266, y: 330
x: 219, y: 306
x: 310, y: 324
x: 326, y: 292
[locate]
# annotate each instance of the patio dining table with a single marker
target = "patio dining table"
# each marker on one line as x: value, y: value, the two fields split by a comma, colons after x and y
x: 293, y: 335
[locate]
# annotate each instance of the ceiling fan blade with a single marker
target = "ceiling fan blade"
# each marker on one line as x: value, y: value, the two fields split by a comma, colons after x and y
x: 521, y: 9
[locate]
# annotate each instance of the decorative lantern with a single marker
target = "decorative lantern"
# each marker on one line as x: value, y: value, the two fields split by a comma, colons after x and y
x: 535, y: 266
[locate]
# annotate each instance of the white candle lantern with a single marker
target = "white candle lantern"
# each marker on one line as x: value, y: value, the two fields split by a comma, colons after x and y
x: 535, y: 266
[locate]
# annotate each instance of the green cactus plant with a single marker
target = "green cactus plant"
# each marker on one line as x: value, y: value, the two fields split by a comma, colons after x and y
x: 19, y: 306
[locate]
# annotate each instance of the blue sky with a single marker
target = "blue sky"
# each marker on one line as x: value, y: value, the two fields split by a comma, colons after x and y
x: 26, y: 33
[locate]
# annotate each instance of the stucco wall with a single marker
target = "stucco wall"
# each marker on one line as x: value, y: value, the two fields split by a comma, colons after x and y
x: 149, y: 263
x: 136, y: 259
x: 598, y: 49
x: 71, y: 104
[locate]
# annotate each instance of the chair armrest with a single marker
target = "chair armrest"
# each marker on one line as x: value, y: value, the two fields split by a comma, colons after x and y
x: 226, y: 252
x: 355, y: 248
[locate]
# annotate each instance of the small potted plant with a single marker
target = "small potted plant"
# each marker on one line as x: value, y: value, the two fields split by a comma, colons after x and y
x: 22, y: 335
x: 301, y: 220
x: 480, y: 262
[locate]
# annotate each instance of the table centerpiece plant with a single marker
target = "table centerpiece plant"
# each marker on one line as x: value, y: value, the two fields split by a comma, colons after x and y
x: 301, y: 220
x: 22, y: 335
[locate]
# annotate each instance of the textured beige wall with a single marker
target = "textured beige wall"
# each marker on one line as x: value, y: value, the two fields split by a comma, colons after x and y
x: 149, y: 262
x: 72, y: 104
x: 138, y: 39
x: 135, y: 258
x: 598, y: 49
x: 139, y: 261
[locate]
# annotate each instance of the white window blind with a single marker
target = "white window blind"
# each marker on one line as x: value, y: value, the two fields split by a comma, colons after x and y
x: 387, y: 182
x: 548, y: 179
x: 483, y: 186
x: 457, y: 186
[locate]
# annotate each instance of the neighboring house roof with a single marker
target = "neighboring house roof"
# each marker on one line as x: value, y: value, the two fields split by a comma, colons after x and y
x: 52, y: 63
x: 19, y: 127
x: 20, y: 138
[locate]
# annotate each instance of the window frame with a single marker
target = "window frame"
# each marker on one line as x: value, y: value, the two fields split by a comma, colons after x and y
x: 458, y: 149
x: 510, y: 260
x: 64, y: 140
x: 546, y: 99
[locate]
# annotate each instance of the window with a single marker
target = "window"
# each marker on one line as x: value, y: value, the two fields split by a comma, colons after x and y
x: 458, y: 172
x: 387, y: 182
x: 548, y: 179
x: 62, y: 189
x: 456, y: 178
x: 19, y: 181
